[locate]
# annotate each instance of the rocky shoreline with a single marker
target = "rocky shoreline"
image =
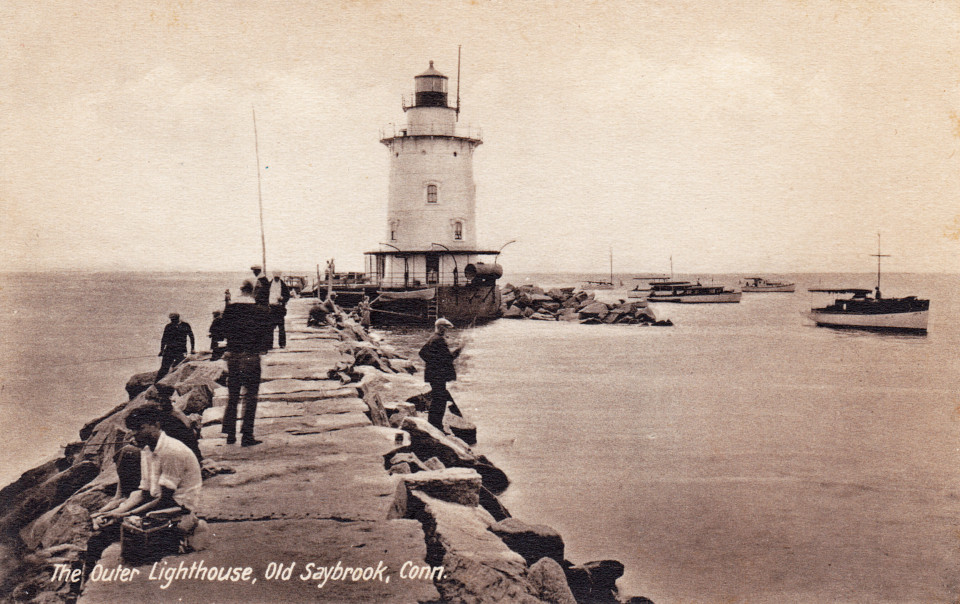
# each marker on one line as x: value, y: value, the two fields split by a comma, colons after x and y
x: 570, y: 304
x: 446, y: 491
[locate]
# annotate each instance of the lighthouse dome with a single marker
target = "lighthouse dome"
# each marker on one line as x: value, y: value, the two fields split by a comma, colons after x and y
x: 431, y: 72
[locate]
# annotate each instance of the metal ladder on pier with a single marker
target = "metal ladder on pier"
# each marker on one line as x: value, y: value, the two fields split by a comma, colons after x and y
x: 433, y: 310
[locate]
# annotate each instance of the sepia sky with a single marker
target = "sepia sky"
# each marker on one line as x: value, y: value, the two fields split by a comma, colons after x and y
x: 731, y: 136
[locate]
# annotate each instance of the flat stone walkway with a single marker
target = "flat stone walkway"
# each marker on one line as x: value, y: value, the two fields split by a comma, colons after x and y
x: 315, y: 492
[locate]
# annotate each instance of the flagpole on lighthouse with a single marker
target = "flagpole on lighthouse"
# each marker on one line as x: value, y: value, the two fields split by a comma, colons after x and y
x: 256, y: 147
x: 458, y: 83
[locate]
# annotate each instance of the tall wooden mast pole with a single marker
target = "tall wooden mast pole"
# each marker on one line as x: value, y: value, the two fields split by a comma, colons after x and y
x: 458, y: 82
x: 263, y: 239
x: 879, y: 256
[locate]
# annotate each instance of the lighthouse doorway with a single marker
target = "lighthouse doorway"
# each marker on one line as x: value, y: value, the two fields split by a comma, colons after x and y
x: 433, y: 269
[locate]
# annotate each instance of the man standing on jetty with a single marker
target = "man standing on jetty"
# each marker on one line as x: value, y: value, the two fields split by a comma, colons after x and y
x: 216, y: 335
x: 173, y: 344
x: 279, y: 295
x: 261, y: 291
x: 248, y: 327
x: 438, y: 371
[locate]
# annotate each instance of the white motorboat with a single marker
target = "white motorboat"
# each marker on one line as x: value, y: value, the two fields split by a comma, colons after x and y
x: 643, y: 288
x: 759, y: 284
x: 684, y: 292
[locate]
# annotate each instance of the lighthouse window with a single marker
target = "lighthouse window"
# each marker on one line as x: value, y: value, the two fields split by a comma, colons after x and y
x: 458, y: 230
x: 431, y: 193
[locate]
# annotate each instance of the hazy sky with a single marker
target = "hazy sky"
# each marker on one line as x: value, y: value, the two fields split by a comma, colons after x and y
x: 732, y: 136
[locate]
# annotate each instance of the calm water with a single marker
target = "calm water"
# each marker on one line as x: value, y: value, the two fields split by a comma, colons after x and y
x: 70, y: 341
x: 742, y: 455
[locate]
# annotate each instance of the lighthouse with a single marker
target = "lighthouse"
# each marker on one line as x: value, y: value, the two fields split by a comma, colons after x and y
x: 430, y: 242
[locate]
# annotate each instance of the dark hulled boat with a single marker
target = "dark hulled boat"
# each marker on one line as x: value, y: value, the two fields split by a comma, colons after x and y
x: 861, y: 311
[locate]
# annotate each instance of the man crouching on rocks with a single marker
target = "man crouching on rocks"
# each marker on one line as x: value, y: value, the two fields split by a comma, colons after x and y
x: 438, y: 371
x: 170, y: 481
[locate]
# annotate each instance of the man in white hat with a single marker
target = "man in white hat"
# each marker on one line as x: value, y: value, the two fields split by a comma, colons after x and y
x: 439, y: 370
x: 279, y: 295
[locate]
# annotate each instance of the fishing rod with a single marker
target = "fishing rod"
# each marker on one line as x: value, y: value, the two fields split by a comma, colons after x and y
x: 106, y: 443
x: 145, y: 356
x: 256, y: 147
x: 391, y: 312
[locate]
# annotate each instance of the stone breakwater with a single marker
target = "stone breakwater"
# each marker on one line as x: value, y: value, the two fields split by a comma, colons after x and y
x: 570, y: 304
x: 352, y: 496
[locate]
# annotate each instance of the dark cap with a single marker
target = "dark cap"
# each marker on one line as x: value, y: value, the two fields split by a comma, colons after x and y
x: 149, y: 413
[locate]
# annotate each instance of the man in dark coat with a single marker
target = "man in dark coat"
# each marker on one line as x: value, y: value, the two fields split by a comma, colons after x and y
x: 261, y: 291
x: 173, y: 344
x: 438, y: 371
x: 248, y: 327
x: 216, y: 335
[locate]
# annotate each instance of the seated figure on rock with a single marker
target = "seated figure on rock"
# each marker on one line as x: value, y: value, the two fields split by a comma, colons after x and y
x: 169, y: 483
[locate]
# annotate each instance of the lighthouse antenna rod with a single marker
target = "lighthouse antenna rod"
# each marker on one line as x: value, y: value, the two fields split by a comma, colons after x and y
x: 256, y: 147
x: 458, y: 82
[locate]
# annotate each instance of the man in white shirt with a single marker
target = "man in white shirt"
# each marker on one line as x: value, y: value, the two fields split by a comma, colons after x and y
x: 170, y: 480
x: 279, y: 294
x: 169, y: 472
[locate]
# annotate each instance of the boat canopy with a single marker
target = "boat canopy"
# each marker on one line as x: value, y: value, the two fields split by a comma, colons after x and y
x: 856, y: 292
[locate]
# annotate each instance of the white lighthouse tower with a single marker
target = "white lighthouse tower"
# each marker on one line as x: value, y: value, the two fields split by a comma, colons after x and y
x: 432, y: 196
x: 430, y: 245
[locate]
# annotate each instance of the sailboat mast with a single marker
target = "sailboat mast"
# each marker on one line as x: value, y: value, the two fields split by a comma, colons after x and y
x: 879, y: 256
x: 611, y: 266
x: 878, y: 261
